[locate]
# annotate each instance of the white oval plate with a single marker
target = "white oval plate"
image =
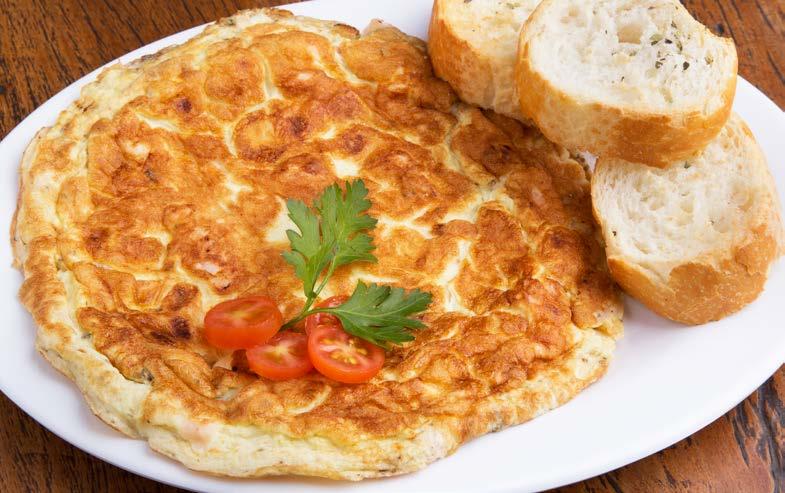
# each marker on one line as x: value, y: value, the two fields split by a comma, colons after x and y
x: 665, y: 382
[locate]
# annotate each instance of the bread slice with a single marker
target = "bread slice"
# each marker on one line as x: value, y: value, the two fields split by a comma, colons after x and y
x: 473, y: 46
x: 693, y: 241
x: 639, y: 80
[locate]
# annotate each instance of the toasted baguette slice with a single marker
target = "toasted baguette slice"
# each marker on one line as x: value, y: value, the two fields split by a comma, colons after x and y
x: 693, y: 241
x: 639, y: 80
x: 473, y: 47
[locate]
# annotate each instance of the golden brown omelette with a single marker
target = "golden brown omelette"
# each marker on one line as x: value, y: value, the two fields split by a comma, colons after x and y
x: 161, y: 192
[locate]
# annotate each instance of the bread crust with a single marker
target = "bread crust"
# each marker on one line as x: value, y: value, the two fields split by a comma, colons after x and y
x: 621, y: 132
x: 475, y: 76
x: 123, y: 251
x: 698, y: 292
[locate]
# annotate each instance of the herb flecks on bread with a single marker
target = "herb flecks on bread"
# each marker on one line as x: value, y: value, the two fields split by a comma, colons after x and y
x: 636, y: 80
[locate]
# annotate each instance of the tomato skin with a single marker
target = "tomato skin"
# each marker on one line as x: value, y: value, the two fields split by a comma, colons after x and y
x: 343, y: 357
x: 312, y: 321
x: 242, y: 323
x: 283, y: 357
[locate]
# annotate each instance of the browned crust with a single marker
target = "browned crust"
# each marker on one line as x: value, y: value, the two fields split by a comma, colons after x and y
x: 457, y: 62
x: 470, y: 72
x: 695, y: 292
x: 615, y: 132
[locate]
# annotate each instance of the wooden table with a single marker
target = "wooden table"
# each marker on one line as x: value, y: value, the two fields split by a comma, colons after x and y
x: 47, y: 44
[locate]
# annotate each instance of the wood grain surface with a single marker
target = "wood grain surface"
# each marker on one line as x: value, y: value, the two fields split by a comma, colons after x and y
x: 47, y: 44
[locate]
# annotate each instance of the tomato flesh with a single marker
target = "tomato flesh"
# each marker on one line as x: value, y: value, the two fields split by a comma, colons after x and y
x: 253, y: 323
x: 316, y: 319
x: 242, y: 323
x: 343, y: 357
x: 283, y: 357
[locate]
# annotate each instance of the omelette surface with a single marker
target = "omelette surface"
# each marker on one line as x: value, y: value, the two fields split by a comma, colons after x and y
x: 160, y: 192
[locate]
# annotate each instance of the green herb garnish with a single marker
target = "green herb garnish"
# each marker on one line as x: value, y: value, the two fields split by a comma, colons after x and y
x: 332, y: 233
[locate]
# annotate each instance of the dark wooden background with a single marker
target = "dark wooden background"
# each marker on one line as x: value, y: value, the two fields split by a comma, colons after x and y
x: 47, y: 44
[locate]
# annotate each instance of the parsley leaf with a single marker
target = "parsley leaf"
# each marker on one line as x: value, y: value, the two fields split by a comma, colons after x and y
x: 380, y: 314
x: 337, y: 239
x: 334, y: 233
x: 344, y: 220
x: 309, y: 256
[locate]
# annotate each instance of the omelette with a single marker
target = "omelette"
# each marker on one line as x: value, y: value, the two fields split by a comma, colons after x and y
x: 162, y: 191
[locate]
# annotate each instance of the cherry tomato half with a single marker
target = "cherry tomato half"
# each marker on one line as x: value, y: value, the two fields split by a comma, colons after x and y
x: 283, y: 357
x: 242, y: 323
x: 343, y: 357
x: 312, y: 321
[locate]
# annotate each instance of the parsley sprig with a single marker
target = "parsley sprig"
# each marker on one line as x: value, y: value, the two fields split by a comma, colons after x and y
x: 332, y: 233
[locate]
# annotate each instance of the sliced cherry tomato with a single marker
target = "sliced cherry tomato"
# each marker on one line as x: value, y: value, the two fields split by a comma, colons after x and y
x: 283, y: 357
x: 242, y: 323
x: 343, y: 357
x: 312, y: 321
